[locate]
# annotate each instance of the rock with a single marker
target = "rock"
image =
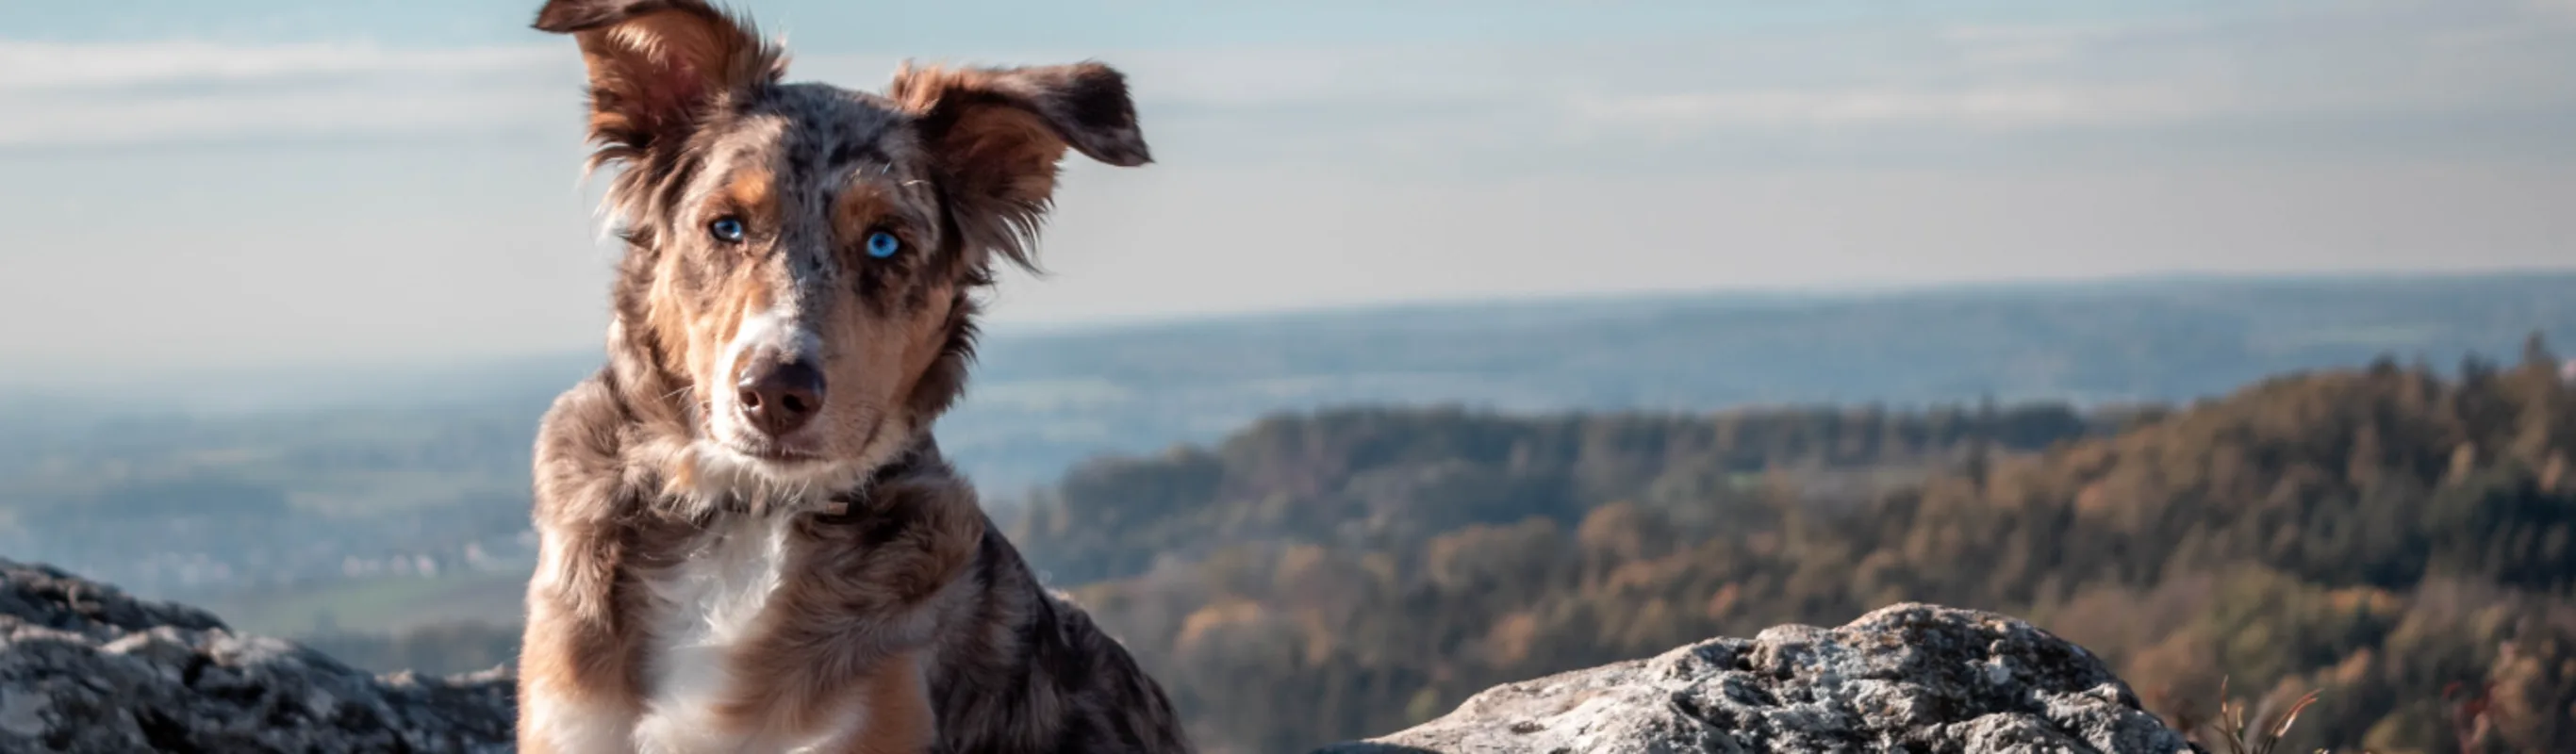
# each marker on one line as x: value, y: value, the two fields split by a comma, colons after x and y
x: 86, y: 668
x: 1911, y: 677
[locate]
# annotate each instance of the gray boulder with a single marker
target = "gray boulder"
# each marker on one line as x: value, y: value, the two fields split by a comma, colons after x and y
x: 86, y: 668
x: 1908, y: 678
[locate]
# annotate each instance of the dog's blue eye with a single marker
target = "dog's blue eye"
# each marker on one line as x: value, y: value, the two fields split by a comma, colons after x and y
x: 726, y: 229
x: 882, y: 244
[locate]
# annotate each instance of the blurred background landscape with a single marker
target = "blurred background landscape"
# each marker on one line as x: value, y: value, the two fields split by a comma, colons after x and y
x: 1442, y: 347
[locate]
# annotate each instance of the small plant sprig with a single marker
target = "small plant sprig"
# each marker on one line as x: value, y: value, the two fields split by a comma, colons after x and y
x: 2231, y: 733
x: 2473, y: 712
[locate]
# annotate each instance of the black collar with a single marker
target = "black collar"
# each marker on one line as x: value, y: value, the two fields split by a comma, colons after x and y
x: 852, y: 506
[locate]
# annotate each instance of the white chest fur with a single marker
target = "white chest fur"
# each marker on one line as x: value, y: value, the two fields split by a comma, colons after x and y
x: 704, y: 610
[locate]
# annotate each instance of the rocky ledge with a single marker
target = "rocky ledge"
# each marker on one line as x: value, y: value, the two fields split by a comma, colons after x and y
x: 1910, y: 678
x: 86, y: 668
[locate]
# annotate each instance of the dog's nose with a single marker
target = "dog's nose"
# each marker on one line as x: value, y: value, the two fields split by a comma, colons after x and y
x: 779, y: 395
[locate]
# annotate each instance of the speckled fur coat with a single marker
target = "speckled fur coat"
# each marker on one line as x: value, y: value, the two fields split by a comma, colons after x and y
x: 748, y: 540
x: 911, y: 568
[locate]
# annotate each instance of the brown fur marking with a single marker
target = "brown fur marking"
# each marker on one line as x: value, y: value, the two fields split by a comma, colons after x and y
x: 752, y: 194
x: 808, y: 647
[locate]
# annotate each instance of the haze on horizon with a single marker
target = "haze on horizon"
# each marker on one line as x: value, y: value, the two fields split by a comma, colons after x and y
x: 193, y: 187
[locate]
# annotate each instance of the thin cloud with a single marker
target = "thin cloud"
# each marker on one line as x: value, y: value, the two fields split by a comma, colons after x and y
x: 1995, y: 107
x: 2324, y: 65
x: 59, y: 94
x: 44, y: 66
x: 2325, y: 62
x: 2303, y: 135
x: 2562, y: 11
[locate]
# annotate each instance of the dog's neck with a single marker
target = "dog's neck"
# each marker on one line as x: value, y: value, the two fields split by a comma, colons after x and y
x: 697, y: 486
x: 730, y: 492
x: 849, y: 504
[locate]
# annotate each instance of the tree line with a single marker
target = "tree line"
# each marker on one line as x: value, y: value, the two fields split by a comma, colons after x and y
x: 2394, y: 536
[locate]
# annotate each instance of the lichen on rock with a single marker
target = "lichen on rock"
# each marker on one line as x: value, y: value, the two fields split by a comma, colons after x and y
x: 1910, y: 677
x: 85, y: 667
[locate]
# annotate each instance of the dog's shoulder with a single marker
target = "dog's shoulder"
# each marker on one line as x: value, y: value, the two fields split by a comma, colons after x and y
x: 1121, y: 708
x: 1066, y: 685
x: 582, y: 422
x: 589, y: 454
x: 910, y: 537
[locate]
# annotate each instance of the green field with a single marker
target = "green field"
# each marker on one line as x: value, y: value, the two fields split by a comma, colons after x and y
x: 390, y: 604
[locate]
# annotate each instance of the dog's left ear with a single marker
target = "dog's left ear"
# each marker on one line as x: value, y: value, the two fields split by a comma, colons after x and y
x: 656, y: 65
x: 997, y: 135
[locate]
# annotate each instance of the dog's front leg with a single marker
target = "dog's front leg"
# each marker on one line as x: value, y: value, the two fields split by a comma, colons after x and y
x: 574, y: 693
x: 896, y: 717
x: 845, y: 646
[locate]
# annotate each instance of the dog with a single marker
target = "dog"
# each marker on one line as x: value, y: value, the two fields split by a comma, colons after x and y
x: 749, y: 540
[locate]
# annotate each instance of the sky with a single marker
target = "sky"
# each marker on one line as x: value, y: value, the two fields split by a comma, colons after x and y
x: 190, y: 185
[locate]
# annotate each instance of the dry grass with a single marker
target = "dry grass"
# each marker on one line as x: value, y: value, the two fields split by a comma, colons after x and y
x: 2231, y: 731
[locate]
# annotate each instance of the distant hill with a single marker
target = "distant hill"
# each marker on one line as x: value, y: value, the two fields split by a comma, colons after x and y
x: 1042, y: 402
x: 2401, y: 542
x: 407, y: 464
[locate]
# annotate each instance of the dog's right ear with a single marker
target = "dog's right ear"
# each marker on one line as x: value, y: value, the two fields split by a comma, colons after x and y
x: 998, y: 134
x: 655, y: 65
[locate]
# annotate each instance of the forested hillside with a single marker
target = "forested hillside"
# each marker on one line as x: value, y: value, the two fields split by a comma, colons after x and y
x: 2395, y: 536
x: 401, y: 490
x: 2382, y: 535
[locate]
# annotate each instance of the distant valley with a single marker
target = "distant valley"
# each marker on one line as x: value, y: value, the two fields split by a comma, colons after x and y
x: 278, y: 491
